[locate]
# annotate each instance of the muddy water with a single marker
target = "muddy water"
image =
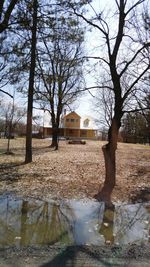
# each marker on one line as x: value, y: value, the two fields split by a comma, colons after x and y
x: 25, y: 222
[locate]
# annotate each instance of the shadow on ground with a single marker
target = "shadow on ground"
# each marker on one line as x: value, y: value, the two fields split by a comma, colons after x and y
x: 84, y: 256
x: 77, y: 256
x: 141, y: 195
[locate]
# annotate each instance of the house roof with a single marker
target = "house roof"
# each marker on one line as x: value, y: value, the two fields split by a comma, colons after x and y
x: 72, y: 113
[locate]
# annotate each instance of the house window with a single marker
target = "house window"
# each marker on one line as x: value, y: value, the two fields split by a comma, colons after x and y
x: 67, y: 119
x: 86, y: 123
x: 72, y: 120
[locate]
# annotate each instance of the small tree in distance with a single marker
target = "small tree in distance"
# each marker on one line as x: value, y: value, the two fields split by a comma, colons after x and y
x: 11, y: 116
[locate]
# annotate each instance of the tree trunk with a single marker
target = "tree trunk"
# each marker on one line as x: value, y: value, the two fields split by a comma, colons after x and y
x: 28, y: 157
x: 10, y: 127
x: 8, y: 136
x: 109, y: 152
x: 55, y: 133
x: 8, y: 146
x: 110, y: 165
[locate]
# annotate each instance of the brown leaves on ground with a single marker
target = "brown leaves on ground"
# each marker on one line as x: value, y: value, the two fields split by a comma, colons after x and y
x: 74, y: 171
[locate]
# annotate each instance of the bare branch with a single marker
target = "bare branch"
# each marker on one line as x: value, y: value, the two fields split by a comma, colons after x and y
x: 1, y: 7
x: 133, y: 6
x: 91, y: 23
x: 135, y: 110
x: 100, y: 58
x: 135, y: 82
x: 120, y: 30
x: 99, y: 87
x: 117, y: 3
x: 4, y: 23
x: 135, y: 55
x: 6, y: 93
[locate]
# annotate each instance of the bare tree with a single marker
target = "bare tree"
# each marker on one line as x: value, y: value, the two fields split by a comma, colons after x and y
x: 59, y: 68
x: 11, y: 116
x: 125, y: 57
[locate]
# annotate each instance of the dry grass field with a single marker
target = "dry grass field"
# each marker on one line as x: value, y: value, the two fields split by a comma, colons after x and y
x: 75, y: 171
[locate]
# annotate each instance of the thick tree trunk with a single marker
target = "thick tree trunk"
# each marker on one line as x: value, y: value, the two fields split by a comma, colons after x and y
x: 55, y: 134
x: 110, y: 165
x: 109, y: 152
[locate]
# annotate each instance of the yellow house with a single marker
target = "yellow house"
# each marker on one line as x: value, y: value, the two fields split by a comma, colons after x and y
x: 78, y: 127
x: 73, y: 126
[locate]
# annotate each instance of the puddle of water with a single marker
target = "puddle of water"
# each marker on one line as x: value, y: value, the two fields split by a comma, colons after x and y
x: 25, y: 222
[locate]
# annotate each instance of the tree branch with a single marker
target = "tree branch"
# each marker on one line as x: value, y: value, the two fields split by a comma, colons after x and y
x: 135, y: 82
x: 6, y: 93
x: 136, y: 4
x: 120, y: 29
x: 128, y: 63
x: 135, y: 110
x: 4, y: 23
x: 100, y: 58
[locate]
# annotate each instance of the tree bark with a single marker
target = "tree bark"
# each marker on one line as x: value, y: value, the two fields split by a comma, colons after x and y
x: 109, y: 152
x: 110, y: 165
x: 28, y: 157
x: 55, y: 133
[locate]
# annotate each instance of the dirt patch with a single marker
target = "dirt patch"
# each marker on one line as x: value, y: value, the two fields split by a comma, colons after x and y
x: 75, y: 171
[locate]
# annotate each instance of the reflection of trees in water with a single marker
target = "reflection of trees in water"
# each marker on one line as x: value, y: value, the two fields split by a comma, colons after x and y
x: 33, y: 222
x: 23, y: 220
x: 130, y: 223
x: 84, y: 219
x: 45, y: 225
x: 125, y: 224
x: 7, y: 230
x: 107, y: 226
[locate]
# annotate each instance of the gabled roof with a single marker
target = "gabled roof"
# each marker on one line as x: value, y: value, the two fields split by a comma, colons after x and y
x: 72, y: 113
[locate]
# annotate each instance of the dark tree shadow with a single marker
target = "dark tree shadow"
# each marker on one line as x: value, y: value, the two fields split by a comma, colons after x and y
x: 10, y: 165
x: 9, y: 172
x: 142, y: 195
x: 76, y: 256
x: 42, y: 150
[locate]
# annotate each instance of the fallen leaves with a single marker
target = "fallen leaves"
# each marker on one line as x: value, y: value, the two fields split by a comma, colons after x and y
x: 74, y: 171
